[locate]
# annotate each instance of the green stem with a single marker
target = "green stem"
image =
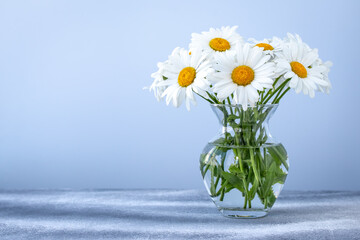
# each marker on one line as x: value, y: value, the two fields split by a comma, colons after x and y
x: 278, y: 100
x: 269, y: 92
x: 212, y: 185
x: 206, y: 169
x: 279, y: 92
x: 276, y: 90
x: 204, y: 97
x: 265, y: 203
x: 222, y: 168
x: 245, y: 201
x: 214, y: 98
x: 276, y: 80
x: 238, y: 154
x: 256, y: 172
x: 222, y: 194
x: 217, y: 181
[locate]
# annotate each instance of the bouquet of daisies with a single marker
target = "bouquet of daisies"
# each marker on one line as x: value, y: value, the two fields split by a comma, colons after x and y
x: 221, y: 67
x: 243, y: 81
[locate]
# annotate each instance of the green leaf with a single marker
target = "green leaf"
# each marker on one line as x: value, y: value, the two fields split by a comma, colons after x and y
x: 232, y: 118
x: 235, y: 180
x: 269, y: 178
x: 219, y: 141
x: 278, y: 153
x: 228, y: 188
x: 217, y: 170
x: 235, y: 169
x: 271, y: 198
x: 280, y: 179
x: 250, y: 176
x: 260, y: 160
x: 203, y: 164
x: 253, y: 190
x: 280, y: 176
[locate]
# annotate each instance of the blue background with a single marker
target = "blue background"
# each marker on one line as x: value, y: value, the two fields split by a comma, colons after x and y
x: 73, y: 113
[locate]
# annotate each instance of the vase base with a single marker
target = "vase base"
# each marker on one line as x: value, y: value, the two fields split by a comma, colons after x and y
x: 241, y: 213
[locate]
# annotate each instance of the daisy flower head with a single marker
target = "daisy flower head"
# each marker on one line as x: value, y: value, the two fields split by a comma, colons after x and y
x: 185, y: 74
x: 270, y: 46
x: 158, y: 77
x: 215, y: 40
x: 296, y: 62
x: 241, y: 74
x: 326, y: 69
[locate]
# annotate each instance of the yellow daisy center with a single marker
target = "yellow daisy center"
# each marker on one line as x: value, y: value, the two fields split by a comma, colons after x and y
x: 242, y: 75
x: 219, y: 44
x: 298, y: 69
x: 265, y: 46
x: 186, y: 76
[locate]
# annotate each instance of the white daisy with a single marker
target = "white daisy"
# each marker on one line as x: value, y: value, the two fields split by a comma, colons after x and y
x: 270, y: 46
x: 325, y: 73
x: 215, y: 40
x: 242, y: 73
x: 186, y: 73
x: 158, y: 77
x: 297, y: 62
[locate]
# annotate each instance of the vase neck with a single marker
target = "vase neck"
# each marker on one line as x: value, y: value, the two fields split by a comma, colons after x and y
x: 245, y: 127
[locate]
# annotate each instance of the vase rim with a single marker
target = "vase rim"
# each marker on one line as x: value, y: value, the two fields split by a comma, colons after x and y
x: 238, y: 105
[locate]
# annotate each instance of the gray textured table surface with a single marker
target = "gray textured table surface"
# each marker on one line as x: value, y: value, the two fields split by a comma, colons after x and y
x: 171, y: 214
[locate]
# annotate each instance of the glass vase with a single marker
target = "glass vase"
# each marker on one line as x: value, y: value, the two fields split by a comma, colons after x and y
x: 244, y: 168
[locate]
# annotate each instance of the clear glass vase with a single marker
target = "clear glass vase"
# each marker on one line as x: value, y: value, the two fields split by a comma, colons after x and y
x: 243, y: 167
